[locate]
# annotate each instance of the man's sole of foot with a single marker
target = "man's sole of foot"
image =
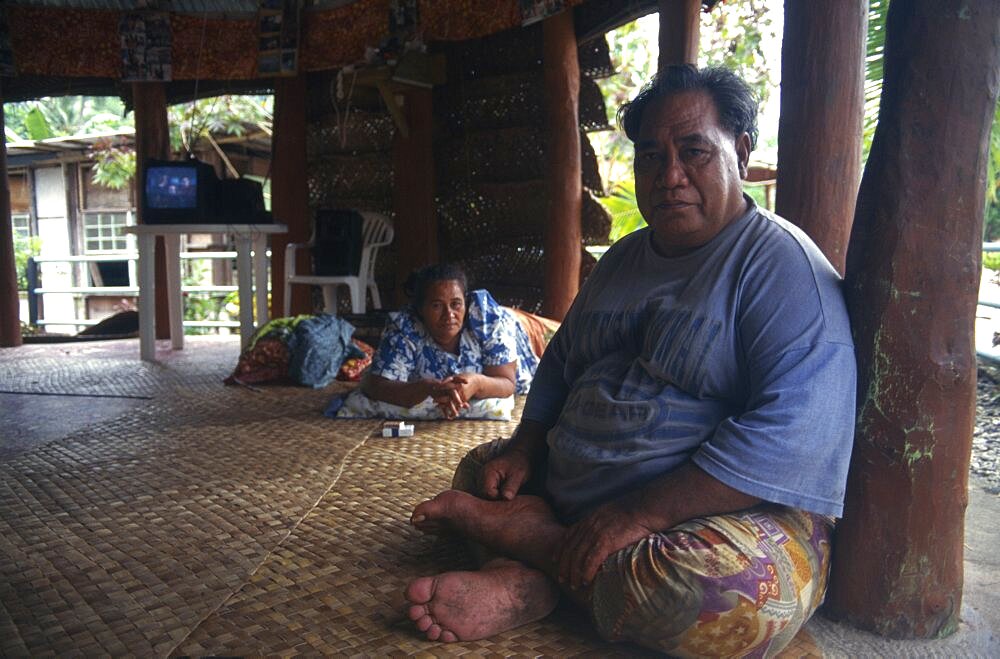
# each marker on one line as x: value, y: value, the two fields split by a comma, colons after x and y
x: 466, y: 606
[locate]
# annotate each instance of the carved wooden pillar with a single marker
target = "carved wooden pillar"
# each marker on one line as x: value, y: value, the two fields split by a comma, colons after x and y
x: 679, y: 32
x: 563, y: 231
x: 289, y: 191
x: 819, y: 133
x: 152, y: 140
x: 10, y: 326
x: 416, y: 231
x: 912, y: 285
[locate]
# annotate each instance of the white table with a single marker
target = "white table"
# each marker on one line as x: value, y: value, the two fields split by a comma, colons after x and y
x: 249, y: 265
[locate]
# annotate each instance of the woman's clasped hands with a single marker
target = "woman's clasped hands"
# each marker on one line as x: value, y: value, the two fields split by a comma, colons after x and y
x: 453, y: 393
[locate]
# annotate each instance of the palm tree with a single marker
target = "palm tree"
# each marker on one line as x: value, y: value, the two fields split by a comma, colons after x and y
x: 64, y: 115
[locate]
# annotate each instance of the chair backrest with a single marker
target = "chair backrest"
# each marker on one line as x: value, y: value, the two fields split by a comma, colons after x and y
x: 338, y: 242
x: 378, y: 232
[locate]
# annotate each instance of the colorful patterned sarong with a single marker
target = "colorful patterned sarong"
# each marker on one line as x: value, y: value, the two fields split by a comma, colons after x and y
x: 736, y: 585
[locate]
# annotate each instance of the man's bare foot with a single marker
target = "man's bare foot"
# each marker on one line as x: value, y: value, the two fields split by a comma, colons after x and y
x: 465, y: 606
x: 454, y: 510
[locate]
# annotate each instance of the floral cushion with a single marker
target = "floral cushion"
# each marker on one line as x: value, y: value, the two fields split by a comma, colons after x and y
x: 356, y: 405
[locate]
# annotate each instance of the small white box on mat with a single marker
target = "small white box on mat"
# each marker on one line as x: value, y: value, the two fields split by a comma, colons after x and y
x: 397, y: 429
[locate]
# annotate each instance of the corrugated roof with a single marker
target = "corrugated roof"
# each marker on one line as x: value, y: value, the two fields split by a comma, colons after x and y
x: 68, y: 143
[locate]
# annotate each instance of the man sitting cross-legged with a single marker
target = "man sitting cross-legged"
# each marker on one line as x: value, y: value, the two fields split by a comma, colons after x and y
x: 684, y: 448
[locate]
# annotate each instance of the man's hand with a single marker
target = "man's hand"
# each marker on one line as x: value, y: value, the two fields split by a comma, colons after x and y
x: 503, y: 476
x: 595, y: 537
x: 684, y: 493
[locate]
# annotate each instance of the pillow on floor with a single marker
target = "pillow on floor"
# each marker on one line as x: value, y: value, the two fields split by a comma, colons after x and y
x: 356, y: 405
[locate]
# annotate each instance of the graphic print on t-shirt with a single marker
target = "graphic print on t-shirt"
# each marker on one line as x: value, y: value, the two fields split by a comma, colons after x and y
x: 635, y: 389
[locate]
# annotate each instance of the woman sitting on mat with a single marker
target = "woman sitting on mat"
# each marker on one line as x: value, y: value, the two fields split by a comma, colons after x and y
x: 452, y: 353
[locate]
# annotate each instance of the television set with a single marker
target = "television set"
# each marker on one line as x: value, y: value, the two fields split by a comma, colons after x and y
x: 241, y: 201
x: 178, y: 192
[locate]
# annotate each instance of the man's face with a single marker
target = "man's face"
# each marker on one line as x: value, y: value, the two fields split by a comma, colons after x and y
x: 688, y: 172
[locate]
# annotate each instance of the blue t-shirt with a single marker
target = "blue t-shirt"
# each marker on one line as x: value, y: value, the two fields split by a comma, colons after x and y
x: 737, y: 356
x: 491, y: 336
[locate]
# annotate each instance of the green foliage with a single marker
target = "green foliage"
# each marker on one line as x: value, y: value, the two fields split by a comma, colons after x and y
x: 634, y: 63
x: 733, y: 35
x: 228, y: 115
x: 991, y: 260
x: 621, y: 204
x: 114, y: 166
x: 878, y: 10
x: 36, y: 125
x: 200, y: 306
x: 757, y: 193
x: 991, y: 216
x: 991, y: 222
x: 64, y: 115
x: 24, y: 248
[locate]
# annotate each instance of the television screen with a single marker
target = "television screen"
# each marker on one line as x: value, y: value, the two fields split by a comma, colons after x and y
x: 172, y: 186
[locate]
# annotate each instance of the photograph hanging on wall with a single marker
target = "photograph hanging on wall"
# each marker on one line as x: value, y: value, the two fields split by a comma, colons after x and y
x: 533, y: 11
x: 278, y: 37
x: 145, y: 41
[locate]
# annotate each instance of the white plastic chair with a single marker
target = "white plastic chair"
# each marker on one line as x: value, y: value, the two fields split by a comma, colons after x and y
x: 377, y: 232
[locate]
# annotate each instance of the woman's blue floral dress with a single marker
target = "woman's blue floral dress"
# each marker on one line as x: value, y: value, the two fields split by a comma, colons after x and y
x: 491, y: 337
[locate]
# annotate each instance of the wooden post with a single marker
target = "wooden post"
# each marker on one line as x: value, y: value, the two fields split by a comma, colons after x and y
x: 152, y: 140
x: 563, y: 231
x: 679, y: 32
x: 822, y: 106
x: 912, y: 286
x: 10, y: 321
x: 289, y: 191
x: 413, y: 189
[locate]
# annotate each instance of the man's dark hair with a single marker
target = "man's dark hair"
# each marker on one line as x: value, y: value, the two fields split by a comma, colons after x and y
x: 416, y: 284
x: 734, y: 100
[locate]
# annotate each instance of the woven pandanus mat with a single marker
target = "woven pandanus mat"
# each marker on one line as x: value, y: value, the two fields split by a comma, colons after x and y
x: 335, y: 585
x: 121, y: 538
x: 113, y: 368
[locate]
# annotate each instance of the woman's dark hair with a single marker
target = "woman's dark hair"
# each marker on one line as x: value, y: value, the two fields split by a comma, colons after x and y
x: 416, y: 284
x: 734, y: 100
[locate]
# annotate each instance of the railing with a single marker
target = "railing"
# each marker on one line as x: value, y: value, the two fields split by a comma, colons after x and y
x: 37, y: 291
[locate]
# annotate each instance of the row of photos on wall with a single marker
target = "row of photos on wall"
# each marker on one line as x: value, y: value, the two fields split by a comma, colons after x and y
x: 146, y: 41
x: 145, y: 36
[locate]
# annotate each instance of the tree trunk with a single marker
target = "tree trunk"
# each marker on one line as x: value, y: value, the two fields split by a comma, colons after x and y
x: 679, y: 32
x: 563, y: 231
x: 912, y: 286
x: 822, y: 102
